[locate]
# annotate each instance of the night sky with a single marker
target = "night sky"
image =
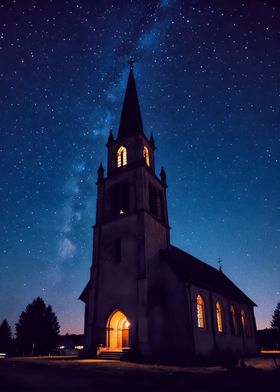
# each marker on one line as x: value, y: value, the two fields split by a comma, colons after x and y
x: 207, y: 74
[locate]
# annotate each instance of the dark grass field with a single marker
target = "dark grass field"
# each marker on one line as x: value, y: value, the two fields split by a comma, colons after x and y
x: 69, y: 374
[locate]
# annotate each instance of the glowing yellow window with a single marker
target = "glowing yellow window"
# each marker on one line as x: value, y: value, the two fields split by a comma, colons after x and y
x: 200, y: 312
x: 122, y: 156
x: 234, y: 329
x: 146, y: 155
x: 243, y: 320
x: 219, y: 317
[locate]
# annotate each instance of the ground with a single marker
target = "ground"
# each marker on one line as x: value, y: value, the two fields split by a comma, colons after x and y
x: 69, y: 374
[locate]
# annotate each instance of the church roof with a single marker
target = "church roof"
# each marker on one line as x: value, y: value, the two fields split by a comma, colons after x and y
x: 191, y: 270
x: 131, y: 121
x: 84, y: 296
x: 194, y: 271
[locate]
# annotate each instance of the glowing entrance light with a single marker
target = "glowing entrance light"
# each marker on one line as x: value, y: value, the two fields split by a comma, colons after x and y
x: 117, y: 331
x: 121, y: 212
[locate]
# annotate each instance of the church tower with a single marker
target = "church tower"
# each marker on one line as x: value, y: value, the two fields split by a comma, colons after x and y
x: 131, y: 228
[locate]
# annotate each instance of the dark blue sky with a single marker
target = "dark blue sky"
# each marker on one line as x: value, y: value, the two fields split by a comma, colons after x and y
x: 207, y: 74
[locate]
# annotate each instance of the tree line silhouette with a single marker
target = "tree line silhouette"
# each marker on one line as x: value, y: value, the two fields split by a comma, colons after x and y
x: 269, y: 338
x: 37, y: 331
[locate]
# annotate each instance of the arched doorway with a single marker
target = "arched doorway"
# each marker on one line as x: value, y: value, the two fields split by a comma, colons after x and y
x: 117, y: 328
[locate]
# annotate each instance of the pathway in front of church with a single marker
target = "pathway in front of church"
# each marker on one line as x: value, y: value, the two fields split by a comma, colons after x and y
x: 45, y: 374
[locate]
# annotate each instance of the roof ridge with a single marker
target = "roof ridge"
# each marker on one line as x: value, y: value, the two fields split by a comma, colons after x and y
x: 200, y: 261
x: 189, y: 268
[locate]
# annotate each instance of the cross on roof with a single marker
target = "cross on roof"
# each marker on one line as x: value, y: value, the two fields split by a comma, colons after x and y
x: 220, y: 262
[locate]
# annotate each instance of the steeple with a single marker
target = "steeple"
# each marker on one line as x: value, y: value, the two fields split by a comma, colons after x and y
x: 131, y: 121
x: 110, y: 138
x: 152, y: 141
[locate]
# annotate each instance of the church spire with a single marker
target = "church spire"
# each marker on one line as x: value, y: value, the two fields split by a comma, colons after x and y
x: 131, y: 121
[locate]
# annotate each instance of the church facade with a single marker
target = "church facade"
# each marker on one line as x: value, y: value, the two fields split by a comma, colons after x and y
x: 145, y: 295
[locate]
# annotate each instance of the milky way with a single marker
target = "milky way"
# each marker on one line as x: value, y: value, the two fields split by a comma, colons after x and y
x: 207, y: 75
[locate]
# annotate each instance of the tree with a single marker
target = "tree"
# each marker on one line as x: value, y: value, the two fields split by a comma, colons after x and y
x: 37, y: 329
x: 275, y: 322
x: 275, y: 325
x: 5, y: 337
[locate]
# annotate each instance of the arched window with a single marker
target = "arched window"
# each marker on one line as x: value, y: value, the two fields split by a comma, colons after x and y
x: 146, y: 155
x: 122, y: 156
x: 219, y: 317
x: 243, y: 321
x: 200, y: 312
x: 233, y: 320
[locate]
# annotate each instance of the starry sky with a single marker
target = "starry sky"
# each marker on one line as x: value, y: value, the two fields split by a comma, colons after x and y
x: 207, y: 74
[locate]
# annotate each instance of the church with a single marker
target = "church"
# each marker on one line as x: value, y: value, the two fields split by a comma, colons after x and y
x: 145, y: 297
